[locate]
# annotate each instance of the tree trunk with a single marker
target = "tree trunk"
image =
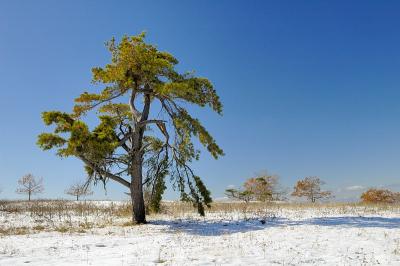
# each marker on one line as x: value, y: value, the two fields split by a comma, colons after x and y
x: 139, y: 213
x: 77, y: 197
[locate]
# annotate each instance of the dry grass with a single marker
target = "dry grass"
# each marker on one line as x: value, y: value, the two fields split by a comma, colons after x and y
x: 23, y: 230
x: 21, y: 217
x: 179, y: 208
x: 59, y: 208
x: 59, y: 215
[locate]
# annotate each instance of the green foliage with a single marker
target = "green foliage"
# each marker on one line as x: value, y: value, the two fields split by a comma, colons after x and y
x: 204, y: 193
x: 244, y: 195
x: 95, y: 145
x: 195, y: 90
x: 48, y: 141
x: 159, y: 187
x: 188, y: 126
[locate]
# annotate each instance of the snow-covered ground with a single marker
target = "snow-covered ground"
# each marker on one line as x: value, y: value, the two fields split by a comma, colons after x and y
x: 281, y: 236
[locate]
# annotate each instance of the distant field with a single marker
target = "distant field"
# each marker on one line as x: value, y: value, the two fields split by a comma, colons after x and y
x: 100, y: 233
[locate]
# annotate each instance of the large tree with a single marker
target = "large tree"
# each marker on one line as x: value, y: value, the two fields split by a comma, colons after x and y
x: 145, y: 131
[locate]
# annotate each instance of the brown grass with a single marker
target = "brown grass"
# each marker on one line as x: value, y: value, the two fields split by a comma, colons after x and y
x: 79, y: 217
x: 181, y: 208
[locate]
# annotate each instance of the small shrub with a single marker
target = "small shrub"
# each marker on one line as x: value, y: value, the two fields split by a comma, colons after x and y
x: 39, y: 228
x: 380, y: 196
x: 62, y: 229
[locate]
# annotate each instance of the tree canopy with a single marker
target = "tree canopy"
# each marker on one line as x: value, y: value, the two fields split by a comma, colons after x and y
x: 310, y: 187
x: 30, y: 185
x: 144, y: 124
x: 374, y: 195
x: 263, y: 187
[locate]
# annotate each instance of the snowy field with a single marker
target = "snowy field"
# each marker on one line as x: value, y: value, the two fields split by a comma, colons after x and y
x: 279, y: 235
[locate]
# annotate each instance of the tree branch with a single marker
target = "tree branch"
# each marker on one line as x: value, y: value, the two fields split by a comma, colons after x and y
x: 108, y: 99
x: 151, y: 121
x: 105, y: 173
x: 135, y: 113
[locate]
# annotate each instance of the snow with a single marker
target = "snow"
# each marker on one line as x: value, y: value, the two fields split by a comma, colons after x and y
x: 281, y: 236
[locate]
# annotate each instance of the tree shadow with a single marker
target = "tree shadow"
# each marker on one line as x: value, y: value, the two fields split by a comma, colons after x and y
x: 223, y: 227
x: 357, y: 221
x: 211, y: 228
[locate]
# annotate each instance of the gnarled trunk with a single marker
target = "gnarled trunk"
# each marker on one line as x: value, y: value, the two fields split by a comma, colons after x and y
x: 139, y: 213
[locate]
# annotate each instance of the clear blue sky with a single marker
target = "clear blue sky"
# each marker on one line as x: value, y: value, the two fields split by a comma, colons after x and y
x: 309, y: 87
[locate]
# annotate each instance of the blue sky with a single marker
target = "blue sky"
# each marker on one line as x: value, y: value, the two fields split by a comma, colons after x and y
x: 308, y: 87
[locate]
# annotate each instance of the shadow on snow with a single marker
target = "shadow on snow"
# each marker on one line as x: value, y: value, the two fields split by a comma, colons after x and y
x: 213, y: 228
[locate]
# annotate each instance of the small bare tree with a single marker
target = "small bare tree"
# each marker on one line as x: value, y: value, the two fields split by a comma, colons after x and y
x: 79, y: 189
x: 29, y: 185
x: 310, y: 187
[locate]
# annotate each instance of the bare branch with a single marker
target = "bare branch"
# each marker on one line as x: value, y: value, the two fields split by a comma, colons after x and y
x: 30, y: 185
x: 105, y: 173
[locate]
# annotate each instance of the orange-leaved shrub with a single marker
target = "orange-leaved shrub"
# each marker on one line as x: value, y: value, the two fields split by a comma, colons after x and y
x: 374, y: 195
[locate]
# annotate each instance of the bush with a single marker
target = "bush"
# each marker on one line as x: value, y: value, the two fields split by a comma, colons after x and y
x: 380, y: 196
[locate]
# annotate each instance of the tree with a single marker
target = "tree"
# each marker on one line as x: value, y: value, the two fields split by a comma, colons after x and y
x: 79, y: 189
x: 29, y: 185
x: 263, y: 188
x: 139, y: 148
x: 238, y: 194
x: 373, y: 195
x: 310, y: 187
